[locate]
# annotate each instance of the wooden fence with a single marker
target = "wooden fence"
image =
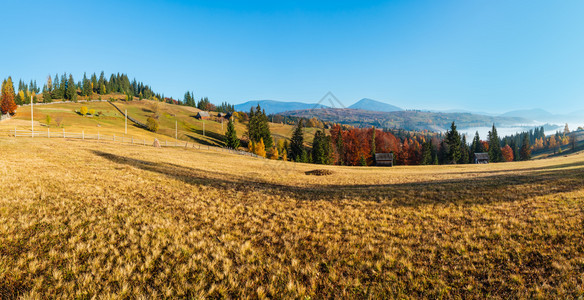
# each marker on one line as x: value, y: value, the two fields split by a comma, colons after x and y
x: 122, y: 139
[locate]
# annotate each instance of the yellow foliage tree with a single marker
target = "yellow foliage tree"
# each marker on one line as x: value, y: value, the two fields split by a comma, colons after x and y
x: 22, y: 96
x: 273, y: 153
x: 260, y: 148
x: 83, y: 110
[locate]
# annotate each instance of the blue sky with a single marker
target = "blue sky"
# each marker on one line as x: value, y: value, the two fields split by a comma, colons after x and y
x: 478, y: 55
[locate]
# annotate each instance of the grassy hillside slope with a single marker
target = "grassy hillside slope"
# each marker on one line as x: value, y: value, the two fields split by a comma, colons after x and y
x: 112, y: 122
x: 131, y: 221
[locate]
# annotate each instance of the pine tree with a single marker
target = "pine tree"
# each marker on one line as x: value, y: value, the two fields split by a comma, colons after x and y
x: 7, y: 105
x: 297, y: 143
x: 71, y: 92
x: 231, y: 139
x: 64, y: 87
x: 321, y: 148
x: 495, y: 154
x: 453, y: 141
x: 87, y: 90
x: 101, y: 84
x: 94, y: 85
x: 464, y: 152
x: 258, y: 127
x: 56, y: 94
x: 427, y: 158
x: 362, y: 161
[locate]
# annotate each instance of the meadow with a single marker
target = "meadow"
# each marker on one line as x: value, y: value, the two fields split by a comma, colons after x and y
x: 173, y: 119
x: 82, y: 219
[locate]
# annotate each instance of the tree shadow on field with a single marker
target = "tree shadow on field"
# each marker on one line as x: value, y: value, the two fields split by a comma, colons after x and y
x: 552, y: 167
x: 483, y: 190
x: 219, y: 138
x: 200, y: 141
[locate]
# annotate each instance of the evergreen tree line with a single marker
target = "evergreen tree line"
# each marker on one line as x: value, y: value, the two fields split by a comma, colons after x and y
x: 225, y: 107
x: 65, y: 88
x: 202, y: 104
x: 453, y: 149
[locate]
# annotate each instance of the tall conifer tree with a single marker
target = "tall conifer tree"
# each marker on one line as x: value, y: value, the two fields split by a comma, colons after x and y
x: 297, y: 143
x: 231, y: 136
x: 495, y: 153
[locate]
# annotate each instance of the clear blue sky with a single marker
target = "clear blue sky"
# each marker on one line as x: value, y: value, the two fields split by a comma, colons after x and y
x: 480, y: 55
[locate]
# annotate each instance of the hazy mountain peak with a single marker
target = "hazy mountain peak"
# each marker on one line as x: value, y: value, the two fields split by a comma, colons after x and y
x: 374, y: 105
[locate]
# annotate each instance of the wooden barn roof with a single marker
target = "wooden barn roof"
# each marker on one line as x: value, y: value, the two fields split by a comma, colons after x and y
x: 482, y: 155
x: 383, y: 156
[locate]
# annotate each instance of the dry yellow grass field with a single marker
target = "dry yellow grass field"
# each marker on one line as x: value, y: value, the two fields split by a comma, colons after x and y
x: 83, y: 219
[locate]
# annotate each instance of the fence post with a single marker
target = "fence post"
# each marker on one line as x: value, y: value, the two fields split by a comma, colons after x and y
x: 165, y: 143
x: 48, y: 133
x: 63, y: 132
x: 132, y: 140
x: 14, y: 131
x: 144, y: 142
x: 114, y: 137
x: 98, y: 135
x: 82, y: 134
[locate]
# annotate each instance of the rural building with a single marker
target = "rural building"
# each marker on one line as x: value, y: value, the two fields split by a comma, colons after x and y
x: 221, y: 115
x: 202, y: 115
x: 481, y: 158
x: 384, y: 159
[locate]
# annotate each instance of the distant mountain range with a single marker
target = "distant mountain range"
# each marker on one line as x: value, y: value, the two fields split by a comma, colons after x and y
x: 408, y: 120
x: 369, y: 112
x: 274, y: 107
x: 543, y: 116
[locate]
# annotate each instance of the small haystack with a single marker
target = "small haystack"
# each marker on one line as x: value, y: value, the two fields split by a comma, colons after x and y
x: 156, y: 143
x: 319, y: 172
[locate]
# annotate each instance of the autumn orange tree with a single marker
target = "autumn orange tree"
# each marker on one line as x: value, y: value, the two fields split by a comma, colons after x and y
x: 7, y: 104
x: 507, y: 153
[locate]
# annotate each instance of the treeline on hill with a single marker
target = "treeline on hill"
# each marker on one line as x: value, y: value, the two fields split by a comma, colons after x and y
x: 346, y: 145
x: 65, y: 88
x: 205, y: 104
x: 539, y: 142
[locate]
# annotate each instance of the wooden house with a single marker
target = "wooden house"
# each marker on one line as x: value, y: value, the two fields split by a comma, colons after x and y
x: 384, y: 159
x: 202, y: 115
x: 481, y: 158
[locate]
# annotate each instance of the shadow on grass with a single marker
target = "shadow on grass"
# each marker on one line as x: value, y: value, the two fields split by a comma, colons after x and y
x: 552, y: 167
x: 488, y: 189
x: 218, y: 138
x: 200, y: 141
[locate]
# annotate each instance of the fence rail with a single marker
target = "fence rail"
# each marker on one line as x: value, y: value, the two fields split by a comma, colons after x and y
x: 122, y: 139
